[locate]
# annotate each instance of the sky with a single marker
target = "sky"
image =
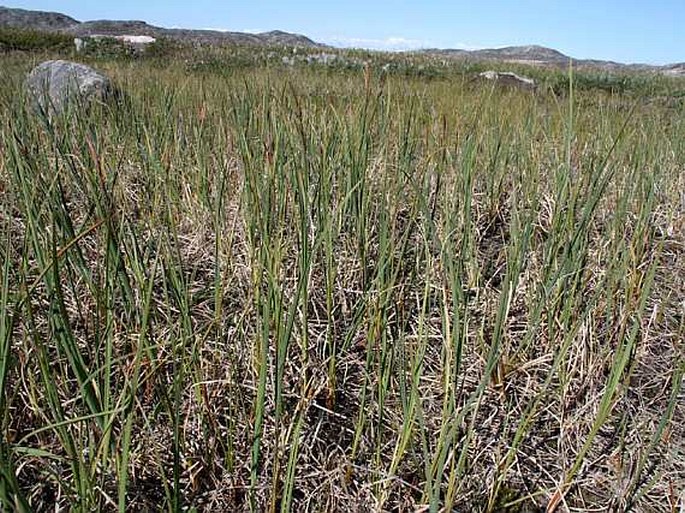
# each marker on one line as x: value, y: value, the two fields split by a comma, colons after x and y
x: 647, y: 31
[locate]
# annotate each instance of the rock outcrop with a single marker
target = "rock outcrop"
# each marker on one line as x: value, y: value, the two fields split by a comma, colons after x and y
x: 53, y: 86
x: 507, y: 78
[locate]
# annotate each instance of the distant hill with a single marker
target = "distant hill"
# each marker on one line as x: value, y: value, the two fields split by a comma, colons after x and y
x: 675, y: 69
x: 57, y: 22
x: 532, y: 54
x: 535, y: 55
x: 37, y: 20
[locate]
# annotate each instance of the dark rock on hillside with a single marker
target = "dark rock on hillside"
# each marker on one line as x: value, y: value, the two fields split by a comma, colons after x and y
x: 278, y: 37
x: 36, y: 20
x: 112, y: 28
x: 52, y: 86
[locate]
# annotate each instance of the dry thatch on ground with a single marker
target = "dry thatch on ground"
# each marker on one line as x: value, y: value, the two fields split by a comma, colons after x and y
x: 332, y: 294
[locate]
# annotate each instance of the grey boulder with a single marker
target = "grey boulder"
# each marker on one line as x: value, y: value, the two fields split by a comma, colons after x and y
x: 52, y: 86
x: 507, y: 78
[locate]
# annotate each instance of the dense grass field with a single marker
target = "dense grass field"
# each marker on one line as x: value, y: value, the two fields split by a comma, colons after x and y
x: 297, y: 289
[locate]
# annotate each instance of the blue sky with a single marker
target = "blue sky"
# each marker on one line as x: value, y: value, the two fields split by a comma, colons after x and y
x: 623, y: 30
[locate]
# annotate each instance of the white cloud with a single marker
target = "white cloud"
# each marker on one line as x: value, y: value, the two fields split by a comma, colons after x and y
x: 393, y: 44
x: 389, y: 43
x: 464, y: 46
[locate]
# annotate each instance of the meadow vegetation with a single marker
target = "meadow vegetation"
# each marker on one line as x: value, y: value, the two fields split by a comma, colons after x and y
x: 14, y: 39
x: 296, y: 288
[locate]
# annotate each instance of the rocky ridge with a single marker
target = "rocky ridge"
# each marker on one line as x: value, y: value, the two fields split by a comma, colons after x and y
x: 57, y: 22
